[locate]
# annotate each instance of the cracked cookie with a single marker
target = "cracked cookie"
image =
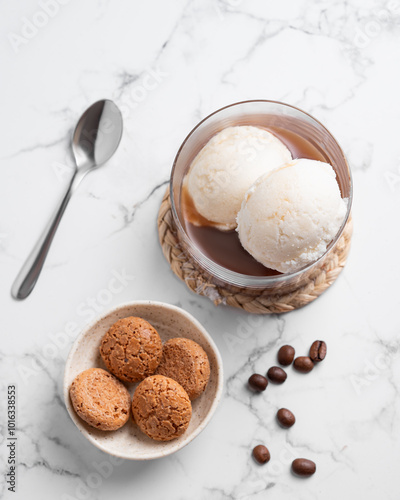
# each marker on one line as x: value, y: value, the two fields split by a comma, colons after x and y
x: 131, y: 349
x: 161, y: 408
x: 186, y: 362
x: 100, y: 399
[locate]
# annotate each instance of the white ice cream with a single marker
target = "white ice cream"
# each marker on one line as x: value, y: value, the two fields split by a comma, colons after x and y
x: 289, y: 216
x: 227, y: 166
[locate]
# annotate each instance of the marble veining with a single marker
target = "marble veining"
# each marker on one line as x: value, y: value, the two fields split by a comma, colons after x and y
x: 167, y: 65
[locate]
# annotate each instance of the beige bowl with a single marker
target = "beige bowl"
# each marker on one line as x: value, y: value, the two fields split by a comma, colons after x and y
x: 170, y: 321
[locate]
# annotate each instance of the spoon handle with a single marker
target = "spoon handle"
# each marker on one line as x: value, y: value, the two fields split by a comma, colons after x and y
x: 30, y: 271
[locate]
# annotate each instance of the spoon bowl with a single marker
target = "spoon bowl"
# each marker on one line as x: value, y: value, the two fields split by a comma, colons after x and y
x: 97, y: 134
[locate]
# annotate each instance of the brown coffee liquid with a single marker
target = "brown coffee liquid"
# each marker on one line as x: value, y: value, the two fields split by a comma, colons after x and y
x: 224, y: 247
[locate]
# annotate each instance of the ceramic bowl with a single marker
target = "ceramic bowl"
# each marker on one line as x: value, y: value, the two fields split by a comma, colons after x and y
x: 170, y: 321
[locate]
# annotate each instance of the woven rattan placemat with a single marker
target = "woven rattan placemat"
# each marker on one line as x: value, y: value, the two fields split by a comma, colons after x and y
x: 261, y: 302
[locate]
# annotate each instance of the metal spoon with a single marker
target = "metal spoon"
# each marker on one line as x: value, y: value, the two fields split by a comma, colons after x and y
x: 95, y: 139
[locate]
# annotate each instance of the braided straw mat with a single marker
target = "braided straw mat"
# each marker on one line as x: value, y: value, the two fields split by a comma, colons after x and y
x: 259, y: 301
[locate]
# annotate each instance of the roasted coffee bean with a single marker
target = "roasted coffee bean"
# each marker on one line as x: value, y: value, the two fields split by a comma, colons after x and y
x: 285, y: 418
x: 276, y: 375
x: 318, y: 351
x: 286, y: 355
x: 303, y: 467
x: 258, y: 382
x: 303, y: 364
x: 261, y: 454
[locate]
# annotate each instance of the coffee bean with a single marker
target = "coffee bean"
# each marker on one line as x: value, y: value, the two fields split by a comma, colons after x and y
x: 303, y: 364
x: 261, y: 454
x: 257, y: 382
x: 285, y: 418
x: 318, y: 351
x: 303, y: 467
x: 276, y: 375
x: 286, y: 355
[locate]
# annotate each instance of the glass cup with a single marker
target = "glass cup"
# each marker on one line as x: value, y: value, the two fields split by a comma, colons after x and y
x: 256, y: 113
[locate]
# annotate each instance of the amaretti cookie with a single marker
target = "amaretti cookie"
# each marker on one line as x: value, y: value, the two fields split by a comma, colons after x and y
x: 100, y: 399
x: 161, y: 408
x: 131, y: 349
x: 186, y: 362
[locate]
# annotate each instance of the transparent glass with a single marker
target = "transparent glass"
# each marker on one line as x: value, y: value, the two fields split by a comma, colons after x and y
x: 258, y: 113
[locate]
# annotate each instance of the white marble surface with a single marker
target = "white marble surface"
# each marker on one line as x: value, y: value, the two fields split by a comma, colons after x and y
x: 335, y: 59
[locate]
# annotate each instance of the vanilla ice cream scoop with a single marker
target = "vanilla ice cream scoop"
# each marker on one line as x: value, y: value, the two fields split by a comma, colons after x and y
x: 227, y: 166
x: 289, y: 216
